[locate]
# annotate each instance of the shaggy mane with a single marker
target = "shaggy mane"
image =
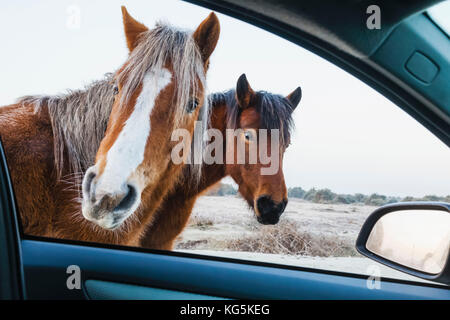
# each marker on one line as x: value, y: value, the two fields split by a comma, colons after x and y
x: 79, y: 117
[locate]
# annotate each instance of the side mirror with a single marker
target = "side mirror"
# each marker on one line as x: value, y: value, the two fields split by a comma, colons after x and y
x: 413, y: 237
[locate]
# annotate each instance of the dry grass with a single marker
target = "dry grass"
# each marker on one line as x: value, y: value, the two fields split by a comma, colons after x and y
x: 287, y: 238
x: 200, y: 222
x: 191, y: 244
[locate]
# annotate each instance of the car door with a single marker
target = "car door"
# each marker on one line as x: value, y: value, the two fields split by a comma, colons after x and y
x: 42, y: 268
x: 11, y: 268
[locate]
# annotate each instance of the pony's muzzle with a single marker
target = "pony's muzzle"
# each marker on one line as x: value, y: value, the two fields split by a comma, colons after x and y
x: 106, y: 207
x: 269, y: 211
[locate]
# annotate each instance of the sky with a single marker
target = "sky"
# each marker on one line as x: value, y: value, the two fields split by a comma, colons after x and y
x: 440, y: 14
x: 348, y: 137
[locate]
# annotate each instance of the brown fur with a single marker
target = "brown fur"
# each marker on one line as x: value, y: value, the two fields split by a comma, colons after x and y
x: 29, y: 156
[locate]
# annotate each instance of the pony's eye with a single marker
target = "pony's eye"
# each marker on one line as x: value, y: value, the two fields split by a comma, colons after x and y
x: 249, y: 135
x: 116, y: 89
x: 192, y: 105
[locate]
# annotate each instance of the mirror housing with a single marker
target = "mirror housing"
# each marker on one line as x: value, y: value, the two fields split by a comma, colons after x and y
x: 443, y: 276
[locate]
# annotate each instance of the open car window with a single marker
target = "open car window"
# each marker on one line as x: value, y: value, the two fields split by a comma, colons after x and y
x: 345, y: 151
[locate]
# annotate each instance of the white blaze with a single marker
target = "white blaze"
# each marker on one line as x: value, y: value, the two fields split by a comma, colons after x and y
x: 127, y: 152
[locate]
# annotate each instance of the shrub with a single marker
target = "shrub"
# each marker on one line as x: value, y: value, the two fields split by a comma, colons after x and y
x: 222, y: 189
x: 376, y: 200
x: 344, y: 199
x: 324, y: 196
x: 359, y: 197
x: 432, y: 198
x: 310, y: 194
x: 296, y: 192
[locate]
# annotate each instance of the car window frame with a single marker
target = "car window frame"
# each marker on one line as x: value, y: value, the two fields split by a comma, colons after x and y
x: 344, y: 62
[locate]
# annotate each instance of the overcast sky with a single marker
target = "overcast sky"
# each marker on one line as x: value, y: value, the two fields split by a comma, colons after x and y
x: 348, y: 137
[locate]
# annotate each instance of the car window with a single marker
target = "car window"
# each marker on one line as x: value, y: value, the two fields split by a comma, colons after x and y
x: 343, y: 149
x: 438, y: 13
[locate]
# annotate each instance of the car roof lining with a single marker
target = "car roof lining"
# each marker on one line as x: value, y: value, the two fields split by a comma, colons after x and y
x: 340, y: 23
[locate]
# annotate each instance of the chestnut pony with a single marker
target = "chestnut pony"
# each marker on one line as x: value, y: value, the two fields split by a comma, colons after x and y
x: 50, y: 141
x: 249, y: 111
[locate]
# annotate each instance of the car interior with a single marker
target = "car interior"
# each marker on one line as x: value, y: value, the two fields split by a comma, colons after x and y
x: 407, y: 61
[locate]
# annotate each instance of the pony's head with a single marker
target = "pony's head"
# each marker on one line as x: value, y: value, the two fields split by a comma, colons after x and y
x: 261, y: 182
x: 160, y: 88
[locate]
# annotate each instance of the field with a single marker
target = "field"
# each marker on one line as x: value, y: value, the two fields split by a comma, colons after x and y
x: 309, y: 234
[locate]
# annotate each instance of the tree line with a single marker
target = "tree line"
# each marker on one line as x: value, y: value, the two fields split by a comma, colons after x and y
x: 374, y: 199
x: 328, y: 196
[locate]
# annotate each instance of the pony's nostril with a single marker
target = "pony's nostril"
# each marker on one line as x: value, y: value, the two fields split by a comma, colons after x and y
x: 88, y: 185
x: 269, y: 210
x: 128, y: 201
x: 264, y: 203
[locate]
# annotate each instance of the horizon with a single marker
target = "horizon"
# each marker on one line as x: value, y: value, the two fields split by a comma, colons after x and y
x: 235, y: 188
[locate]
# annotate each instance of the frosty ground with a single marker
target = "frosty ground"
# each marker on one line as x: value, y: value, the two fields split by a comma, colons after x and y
x: 320, y: 236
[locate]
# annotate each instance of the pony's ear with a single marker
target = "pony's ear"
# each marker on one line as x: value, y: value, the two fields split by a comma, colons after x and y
x: 294, y: 97
x: 132, y: 29
x: 244, y: 93
x: 207, y: 35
